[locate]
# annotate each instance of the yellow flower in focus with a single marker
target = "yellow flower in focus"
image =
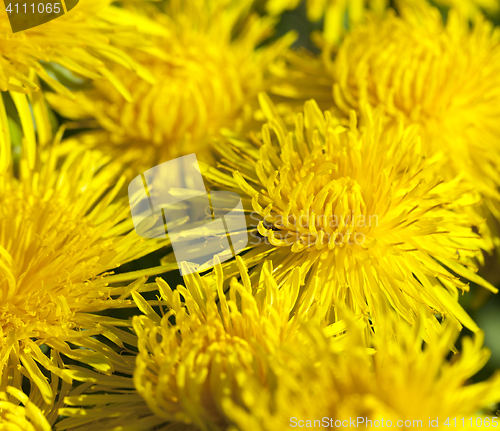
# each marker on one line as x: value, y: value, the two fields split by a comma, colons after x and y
x: 360, y: 212
x: 208, y: 71
x: 83, y: 41
x: 405, y: 384
x: 62, y: 232
x: 186, y: 373
x: 445, y: 78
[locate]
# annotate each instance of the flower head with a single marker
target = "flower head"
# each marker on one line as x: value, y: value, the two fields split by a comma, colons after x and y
x: 442, y: 77
x: 62, y: 232
x: 208, y: 71
x: 405, y: 383
x: 360, y: 210
x: 200, y: 355
x: 84, y: 41
x: 81, y: 41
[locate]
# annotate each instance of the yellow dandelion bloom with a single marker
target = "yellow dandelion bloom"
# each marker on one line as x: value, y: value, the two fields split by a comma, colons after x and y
x: 443, y: 77
x: 208, y: 72
x: 361, y: 209
x: 185, y: 373
x: 404, y: 384
x: 83, y: 41
x: 62, y: 232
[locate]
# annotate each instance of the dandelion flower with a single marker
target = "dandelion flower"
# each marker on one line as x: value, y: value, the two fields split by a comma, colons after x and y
x: 62, y: 232
x: 361, y: 209
x: 83, y: 41
x: 442, y: 77
x: 445, y: 78
x: 185, y: 373
x: 208, y: 72
x: 404, y: 384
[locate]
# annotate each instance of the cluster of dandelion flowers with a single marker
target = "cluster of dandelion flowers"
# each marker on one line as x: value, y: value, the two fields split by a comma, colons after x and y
x: 402, y: 384
x: 186, y: 373
x: 361, y: 210
x: 246, y: 362
x: 63, y: 229
x: 208, y: 71
x: 84, y: 42
x: 442, y: 77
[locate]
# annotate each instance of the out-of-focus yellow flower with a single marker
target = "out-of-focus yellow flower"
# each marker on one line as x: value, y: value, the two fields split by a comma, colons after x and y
x: 208, y: 71
x: 84, y: 41
x: 404, y: 382
x: 337, y: 14
x: 186, y: 373
x: 62, y: 232
x: 443, y: 77
x: 360, y: 212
